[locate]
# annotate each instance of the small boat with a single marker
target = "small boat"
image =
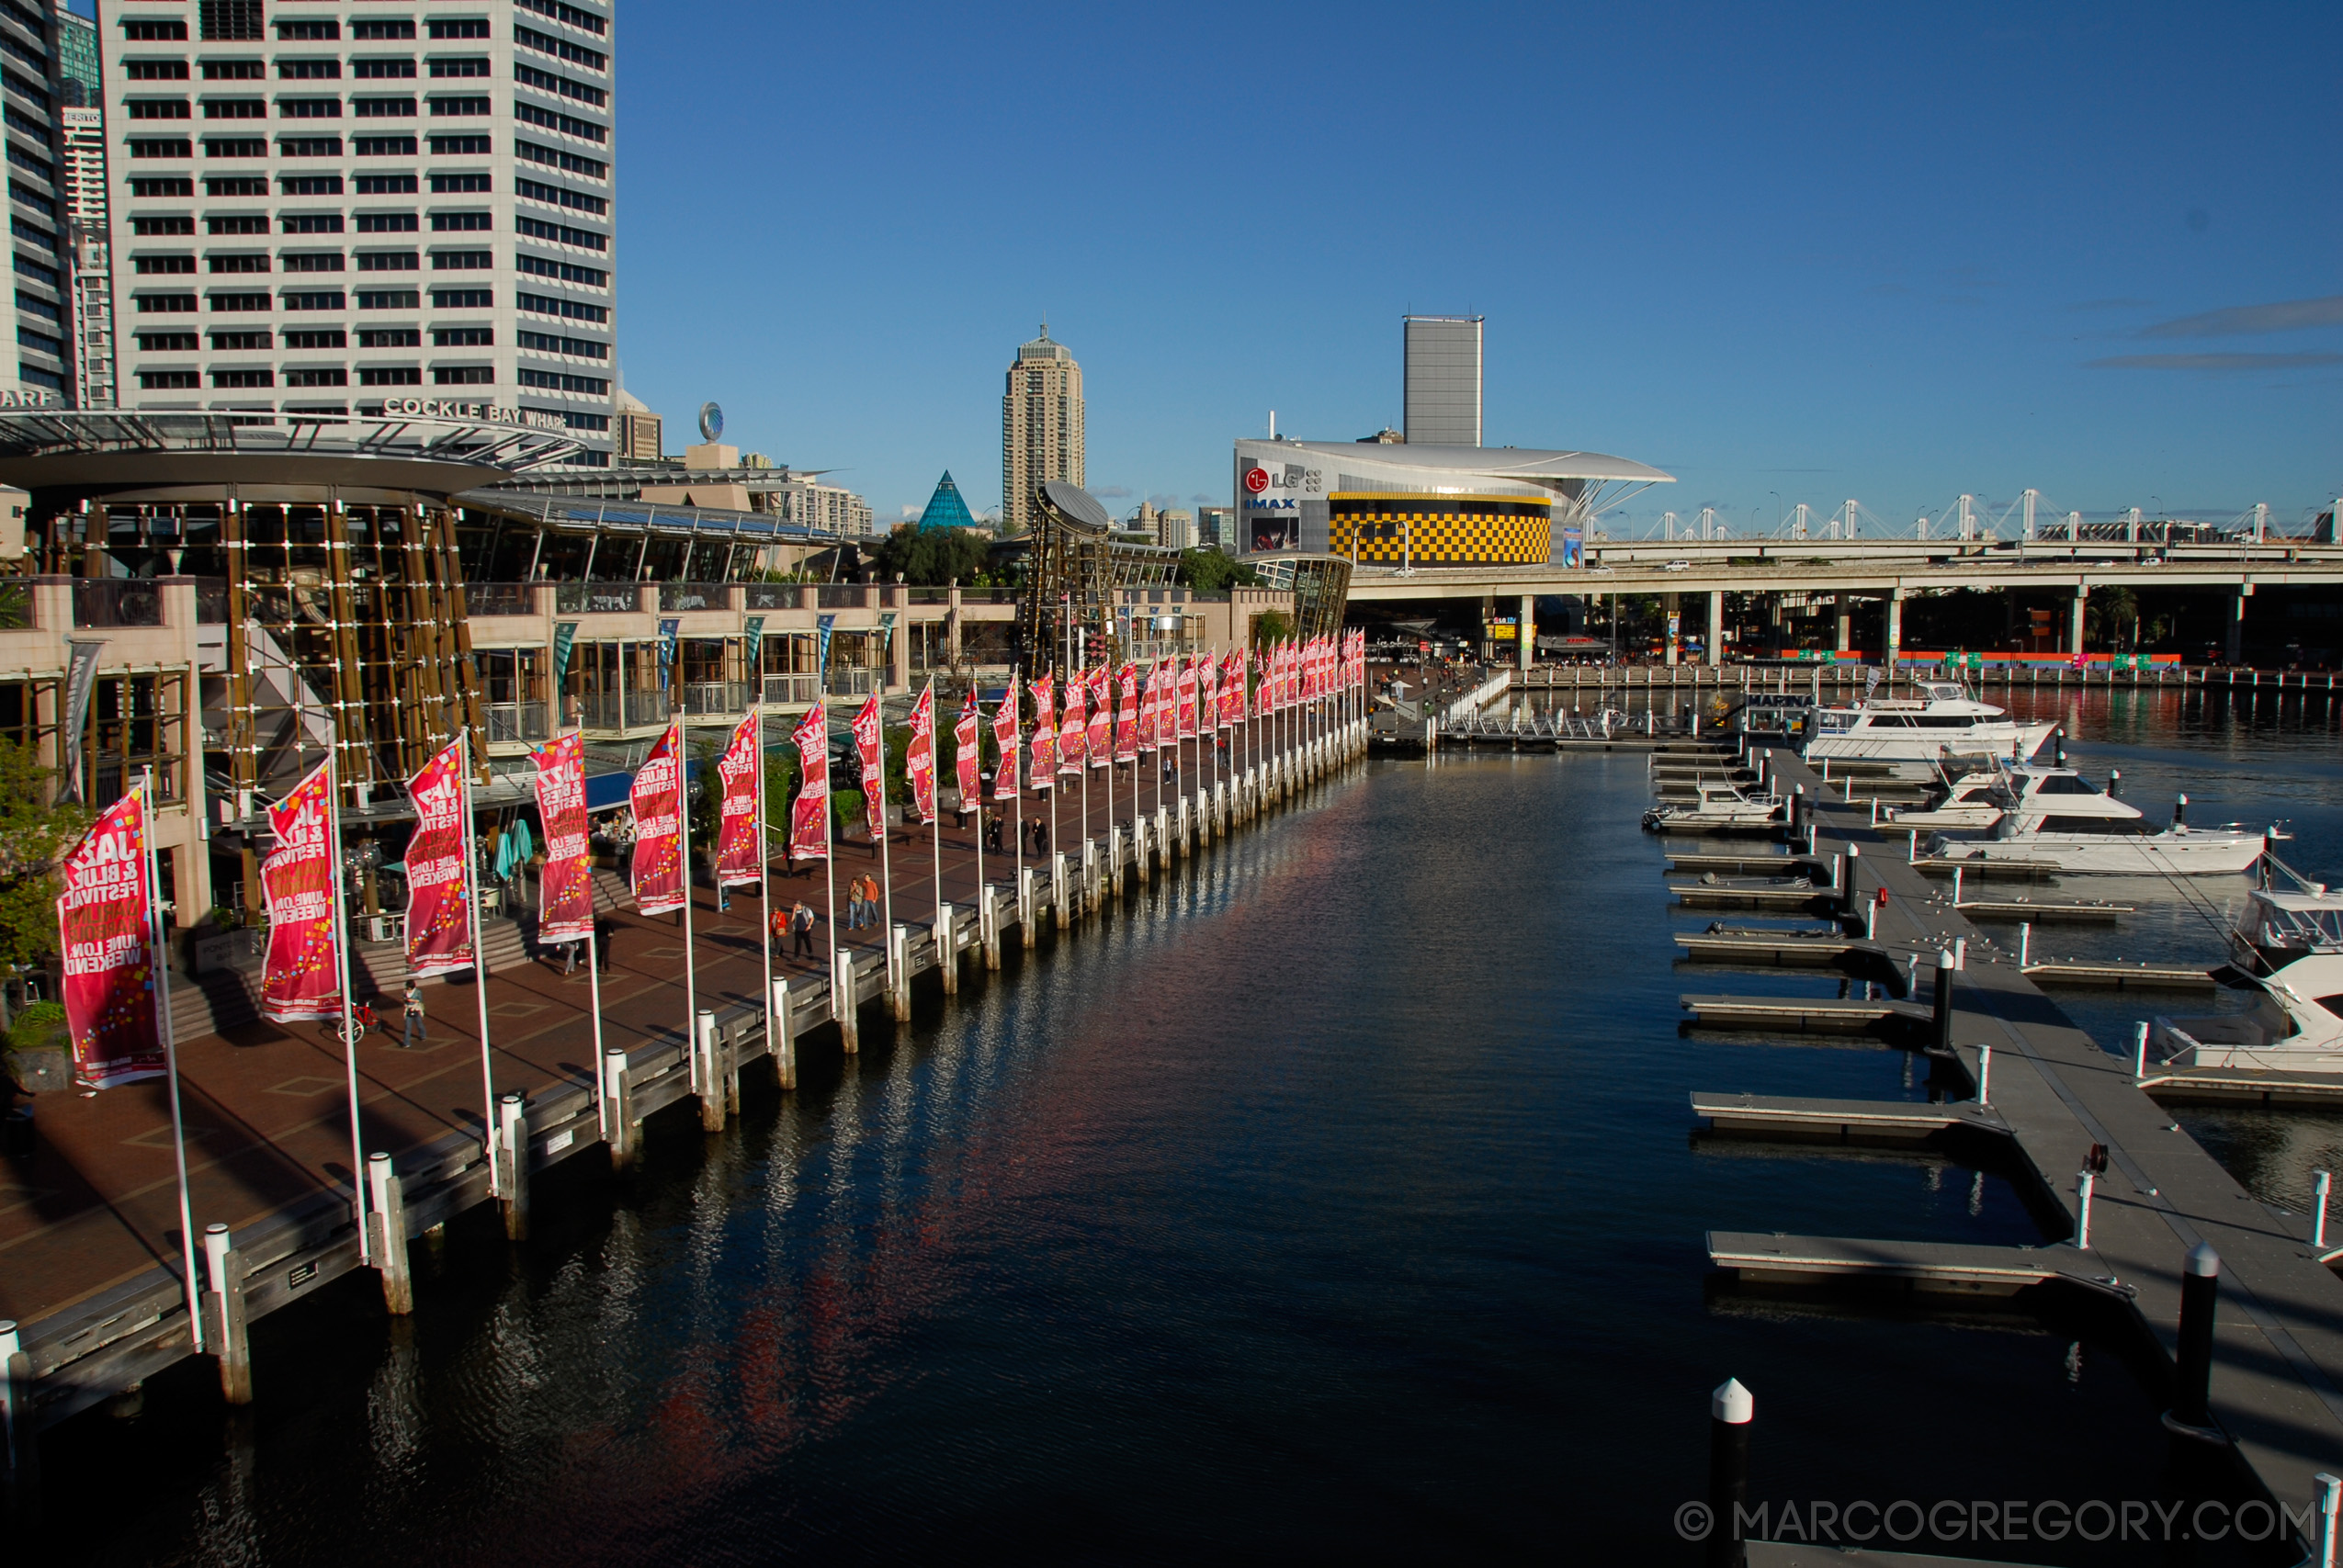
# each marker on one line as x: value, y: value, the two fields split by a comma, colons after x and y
x: 1717, y: 806
x: 1974, y: 801
x: 2278, y: 924
x: 1944, y: 721
x: 2295, y: 1025
x: 2060, y: 821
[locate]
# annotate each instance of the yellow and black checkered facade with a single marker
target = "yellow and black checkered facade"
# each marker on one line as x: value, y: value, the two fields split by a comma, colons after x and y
x: 1440, y: 530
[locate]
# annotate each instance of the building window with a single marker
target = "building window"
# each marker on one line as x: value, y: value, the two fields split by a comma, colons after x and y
x: 383, y: 108
x: 546, y: 43
x: 240, y: 301
x: 167, y: 343
x: 388, y: 261
x: 316, y: 376
x: 563, y: 12
x: 384, y: 184
x: 309, y: 70
x: 387, y: 223
x: 554, y: 82
x: 556, y: 195
x: 309, y: 146
x: 319, y: 337
x: 239, y: 263
x: 383, y: 147
x: 459, y: 27
x: 311, y: 222
x: 160, y: 108
x: 456, y: 185
x: 243, y: 379
x: 242, y: 147
x: 463, y: 375
x: 382, y: 29
x: 594, y: 386
x: 569, y: 125
x: 322, y: 299
x: 390, y: 375
x: 463, y: 298
x: 163, y: 264
x: 390, y: 337
x: 450, y: 223
x: 458, y: 105
x: 308, y: 108
x: 155, y: 70
x: 462, y: 261
x: 136, y: 723
x: 173, y: 224
x: 321, y: 260
x: 161, y: 147
x: 473, y: 146
x: 165, y: 304
x: 228, y: 19
x: 312, y: 32
x: 576, y: 309
x: 222, y: 342
x: 384, y: 71
x: 309, y: 184
x: 234, y: 108
x: 387, y: 299
x: 463, y: 337
x: 562, y: 233
x: 545, y: 342
x: 163, y: 187
x: 154, y: 32
x: 233, y: 71
x: 238, y: 223
x: 168, y: 380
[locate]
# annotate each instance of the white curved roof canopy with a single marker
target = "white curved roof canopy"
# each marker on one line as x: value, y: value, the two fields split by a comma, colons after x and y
x: 1500, y: 462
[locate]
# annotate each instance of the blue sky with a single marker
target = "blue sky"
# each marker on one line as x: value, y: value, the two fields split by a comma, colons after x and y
x: 1786, y: 252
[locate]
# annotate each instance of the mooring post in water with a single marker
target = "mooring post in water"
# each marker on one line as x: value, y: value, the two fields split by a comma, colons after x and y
x: 1985, y: 1076
x: 842, y: 1006
x: 988, y: 925
x: 711, y: 1086
x: 1025, y: 933
x: 2139, y: 1051
x: 389, y: 1220
x: 782, y: 1047
x: 618, y: 1093
x: 1943, y: 1011
x: 1059, y: 910
x: 947, y: 952
x: 513, y: 1136
x: 2321, y: 1183
x: 2191, y: 1413
x: 1847, y: 890
x: 226, y: 1332
x: 1731, y: 1409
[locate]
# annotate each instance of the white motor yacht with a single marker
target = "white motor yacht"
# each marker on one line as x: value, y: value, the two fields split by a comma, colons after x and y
x: 2296, y: 1025
x: 1944, y: 720
x: 1717, y: 806
x: 1973, y: 800
x: 2287, y: 919
x: 2060, y: 821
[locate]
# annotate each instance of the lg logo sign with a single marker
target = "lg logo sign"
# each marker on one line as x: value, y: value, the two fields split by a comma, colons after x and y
x: 1256, y: 480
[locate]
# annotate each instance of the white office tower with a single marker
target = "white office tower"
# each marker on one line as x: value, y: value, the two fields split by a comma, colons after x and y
x: 89, y: 237
x: 1443, y: 380
x: 337, y: 206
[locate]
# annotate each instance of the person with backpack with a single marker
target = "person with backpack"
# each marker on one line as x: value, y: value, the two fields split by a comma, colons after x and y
x: 801, y: 928
x: 415, y: 1026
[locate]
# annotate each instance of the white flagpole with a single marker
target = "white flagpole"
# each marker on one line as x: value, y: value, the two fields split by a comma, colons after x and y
x: 479, y: 959
x: 935, y: 816
x: 829, y: 859
x: 342, y: 974
x: 886, y: 859
x: 593, y: 984
x: 154, y: 963
x: 969, y: 702
x: 763, y: 883
x: 1011, y: 760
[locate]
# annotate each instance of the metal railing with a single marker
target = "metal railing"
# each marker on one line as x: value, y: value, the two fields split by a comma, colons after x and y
x: 598, y: 598
x: 773, y: 596
x: 792, y: 688
x: 516, y: 721
x: 630, y: 711
x: 695, y: 597
x: 854, y: 681
x: 931, y: 595
x: 703, y: 697
x: 116, y: 602
x: 842, y: 596
x: 500, y: 598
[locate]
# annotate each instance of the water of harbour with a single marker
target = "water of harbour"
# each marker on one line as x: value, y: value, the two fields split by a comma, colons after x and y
x: 1336, y: 1203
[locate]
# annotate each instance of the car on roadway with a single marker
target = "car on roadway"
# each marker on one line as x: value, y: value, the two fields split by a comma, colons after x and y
x: 1678, y: 566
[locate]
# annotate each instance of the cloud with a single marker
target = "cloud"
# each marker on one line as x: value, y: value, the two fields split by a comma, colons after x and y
x: 2212, y: 362
x: 2286, y: 316
x: 1204, y: 501
x: 1163, y: 503
x: 1115, y: 492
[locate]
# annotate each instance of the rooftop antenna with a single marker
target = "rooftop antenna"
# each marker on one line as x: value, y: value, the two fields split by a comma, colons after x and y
x: 1273, y: 424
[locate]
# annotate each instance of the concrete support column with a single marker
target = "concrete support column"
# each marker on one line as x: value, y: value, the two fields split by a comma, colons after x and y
x: 2075, y: 617
x: 1716, y: 626
x: 1525, y: 631
x: 2238, y: 623
x: 1895, y: 636
x: 1846, y: 615
x: 952, y: 629
x: 1670, y: 610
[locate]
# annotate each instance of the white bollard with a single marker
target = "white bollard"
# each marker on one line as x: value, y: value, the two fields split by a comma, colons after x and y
x: 1912, y: 850
x: 1984, y: 1075
x: 1875, y: 811
x: 2139, y: 1052
x: 1956, y: 886
x: 2330, y: 1491
x: 2083, y: 1224
x: 2318, y: 1213
x: 2025, y: 943
x: 1961, y: 954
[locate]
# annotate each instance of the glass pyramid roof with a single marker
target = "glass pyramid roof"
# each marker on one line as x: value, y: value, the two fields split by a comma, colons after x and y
x: 945, y: 508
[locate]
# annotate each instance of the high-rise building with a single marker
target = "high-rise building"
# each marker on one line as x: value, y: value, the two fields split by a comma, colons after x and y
x: 1176, y: 529
x: 1041, y: 426
x: 1443, y: 380
x: 1217, y: 528
x: 636, y: 433
x: 42, y: 365
x: 77, y: 71
x: 89, y: 238
x: 454, y: 250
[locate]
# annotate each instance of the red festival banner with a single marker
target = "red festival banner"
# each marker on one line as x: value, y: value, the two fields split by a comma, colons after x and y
x: 103, y: 920
x: 657, y: 800
x: 1232, y: 691
x: 740, y: 859
x: 302, y: 978
x: 1147, y: 710
x: 1101, y: 744
x: 1126, y: 715
x: 870, y: 749
x: 810, y: 813
x: 1207, y: 695
x: 565, y: 894
x: 1005, y: 734
x: 1071, y: 732
x: 1045, y: 731
x: 439, y: 927
x: 919, y: 757
x: 967, y: 743
x: 1187, y: 720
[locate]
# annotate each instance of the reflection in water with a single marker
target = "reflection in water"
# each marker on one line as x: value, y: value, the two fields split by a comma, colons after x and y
x: 1308, y: 1207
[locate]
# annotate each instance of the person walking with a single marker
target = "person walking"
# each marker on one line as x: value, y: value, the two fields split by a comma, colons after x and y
x: 801, y: 929
x: 416, y: 1028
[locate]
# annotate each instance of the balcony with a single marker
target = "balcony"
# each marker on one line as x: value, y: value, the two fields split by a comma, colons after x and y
x: 597, y: 599
x: 842, y: 596
x: 500, y: 598
x: 792, y: 689
x: 635, y: 710
x: 116, y: 602
x: 517, y: 722
x: 852, y: 681
x: 674, y: 596
x: 773, y: 596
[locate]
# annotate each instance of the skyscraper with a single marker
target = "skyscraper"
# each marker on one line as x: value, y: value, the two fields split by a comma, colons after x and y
x: 1443, y: 380
x: 1041, y: 426
x: 474, y: 207
x: 42, y: 363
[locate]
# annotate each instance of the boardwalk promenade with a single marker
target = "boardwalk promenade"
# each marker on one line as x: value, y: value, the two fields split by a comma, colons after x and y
x: 2277, y: 1388
x: 89, y: 1243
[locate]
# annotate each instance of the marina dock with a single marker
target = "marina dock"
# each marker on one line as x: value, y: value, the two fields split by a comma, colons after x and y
x: 2276, y: 1391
